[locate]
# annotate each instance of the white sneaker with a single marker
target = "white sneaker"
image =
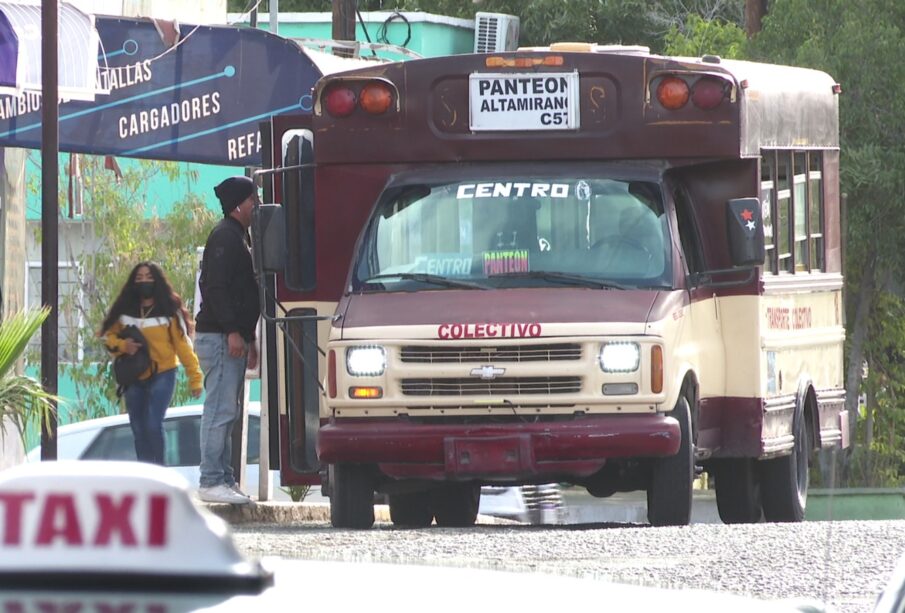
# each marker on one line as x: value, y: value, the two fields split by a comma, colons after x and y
x: 235, y: 487
x: 221, y: 493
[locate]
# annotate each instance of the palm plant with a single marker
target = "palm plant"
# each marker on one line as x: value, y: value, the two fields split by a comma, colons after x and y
x: 22, y: 399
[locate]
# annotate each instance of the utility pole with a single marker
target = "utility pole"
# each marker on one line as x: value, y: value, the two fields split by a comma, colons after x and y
x: 755, y: 10
x: 344, y: 22
x: 50, y: 212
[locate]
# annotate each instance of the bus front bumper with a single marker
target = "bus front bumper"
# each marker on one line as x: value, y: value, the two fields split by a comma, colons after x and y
x: 510, y: 451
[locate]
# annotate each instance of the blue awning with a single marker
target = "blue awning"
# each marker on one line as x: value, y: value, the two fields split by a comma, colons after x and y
x: 20, y: 50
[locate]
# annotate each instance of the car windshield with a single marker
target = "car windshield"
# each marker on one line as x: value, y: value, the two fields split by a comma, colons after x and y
x: 517, y: 231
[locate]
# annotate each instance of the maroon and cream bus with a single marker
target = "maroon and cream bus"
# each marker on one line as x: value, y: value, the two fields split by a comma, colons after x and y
x: 577, y: 264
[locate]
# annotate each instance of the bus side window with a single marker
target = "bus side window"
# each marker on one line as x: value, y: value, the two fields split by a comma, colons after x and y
x: 688, y: 234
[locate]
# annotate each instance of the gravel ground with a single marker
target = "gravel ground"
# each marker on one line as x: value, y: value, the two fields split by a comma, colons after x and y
x: 844, y: 564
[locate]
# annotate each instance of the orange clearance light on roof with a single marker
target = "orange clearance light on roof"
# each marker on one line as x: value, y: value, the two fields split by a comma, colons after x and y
x: 708, y: 92
x: 376, y: 98
x: 366, y: 392
x: 672, y: 93
x: 339, y: 100
x: 495, y: 61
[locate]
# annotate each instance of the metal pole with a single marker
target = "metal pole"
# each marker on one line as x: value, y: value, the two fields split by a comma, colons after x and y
x: 274, y: 9
x: 50, y: 210
x: 344, y: 22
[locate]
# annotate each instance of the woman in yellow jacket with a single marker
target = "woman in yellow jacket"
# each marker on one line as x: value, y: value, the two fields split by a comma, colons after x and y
x: 148, y: 302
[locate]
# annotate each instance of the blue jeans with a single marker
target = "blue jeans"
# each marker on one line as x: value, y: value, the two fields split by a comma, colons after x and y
x: 147, y: 402
x: 224, y: 376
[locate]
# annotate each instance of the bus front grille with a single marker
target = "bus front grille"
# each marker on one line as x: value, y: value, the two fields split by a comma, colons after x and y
x: 504, y: 386
x: 502, y: 353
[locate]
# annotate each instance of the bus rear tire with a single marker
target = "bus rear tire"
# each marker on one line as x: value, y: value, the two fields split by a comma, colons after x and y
x: 411, y: 509
x: 351, y: 496
x: 669, y: 490
x: 455, y: 505
x: 737, y: 490
x: 784, y: 481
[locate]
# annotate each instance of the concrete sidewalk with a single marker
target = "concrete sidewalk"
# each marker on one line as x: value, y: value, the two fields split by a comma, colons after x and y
x: 304, y: 512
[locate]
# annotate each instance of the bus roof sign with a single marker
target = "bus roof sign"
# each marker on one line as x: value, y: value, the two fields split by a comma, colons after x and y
x: 528, y: 101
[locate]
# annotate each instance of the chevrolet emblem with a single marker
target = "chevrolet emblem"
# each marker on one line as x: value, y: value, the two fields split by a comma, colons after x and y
x: 487, y: 372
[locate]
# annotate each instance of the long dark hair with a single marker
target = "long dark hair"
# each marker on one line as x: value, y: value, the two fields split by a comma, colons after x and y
x: 166, y: 301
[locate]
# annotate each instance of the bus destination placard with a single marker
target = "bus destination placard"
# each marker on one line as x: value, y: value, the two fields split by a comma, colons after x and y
x: 536, y: 101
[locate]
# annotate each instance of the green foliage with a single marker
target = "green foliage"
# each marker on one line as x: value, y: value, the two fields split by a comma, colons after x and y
x: 629, y: 22
x: 120, y: 229
x: 703, y: 37
x: 296, y: 492
x: 23, y: 401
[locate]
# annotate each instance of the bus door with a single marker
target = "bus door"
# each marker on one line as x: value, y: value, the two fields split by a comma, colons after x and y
x: 294, y: 319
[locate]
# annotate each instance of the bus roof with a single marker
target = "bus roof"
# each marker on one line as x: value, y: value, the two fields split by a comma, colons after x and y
x: 615, y: 99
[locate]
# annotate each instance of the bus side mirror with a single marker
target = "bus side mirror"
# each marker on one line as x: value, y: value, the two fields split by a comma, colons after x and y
x: 269, y: 224
x: 298, y: 202
x: 745, y: 231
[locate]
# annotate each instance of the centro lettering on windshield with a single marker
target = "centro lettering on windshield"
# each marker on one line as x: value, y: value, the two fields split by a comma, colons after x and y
x: 508, y: 330
x: 509, y: 189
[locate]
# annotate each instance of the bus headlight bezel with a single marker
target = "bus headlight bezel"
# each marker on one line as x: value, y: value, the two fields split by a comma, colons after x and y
x: 366, y: 360
x: 619, y: 357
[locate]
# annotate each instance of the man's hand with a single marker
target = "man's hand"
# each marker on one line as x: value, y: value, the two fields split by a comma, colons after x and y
x: 252, y: 356
x: 196, y: 393
x: 236, y: 344
x: 130, y: 346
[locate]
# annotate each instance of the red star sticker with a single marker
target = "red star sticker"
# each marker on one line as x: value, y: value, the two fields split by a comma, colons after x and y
x: 747, y: 215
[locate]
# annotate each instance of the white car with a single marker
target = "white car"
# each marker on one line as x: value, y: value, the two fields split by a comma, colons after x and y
x: 110, y: 438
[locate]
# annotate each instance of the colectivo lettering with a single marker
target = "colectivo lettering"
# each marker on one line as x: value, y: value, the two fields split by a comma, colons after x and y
x: 59, y: 520
x: 488, y: 330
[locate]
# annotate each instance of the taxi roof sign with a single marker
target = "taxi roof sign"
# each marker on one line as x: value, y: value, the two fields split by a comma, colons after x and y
x: 80, y: 524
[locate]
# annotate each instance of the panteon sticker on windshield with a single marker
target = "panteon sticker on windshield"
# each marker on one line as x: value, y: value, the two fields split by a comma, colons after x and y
x: 502, y: 262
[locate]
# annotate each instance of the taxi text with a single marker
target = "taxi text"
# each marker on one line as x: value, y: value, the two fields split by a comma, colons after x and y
x: 99, y: 520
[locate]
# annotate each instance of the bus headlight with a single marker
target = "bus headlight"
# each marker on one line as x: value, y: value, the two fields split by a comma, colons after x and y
x: 619, y: 357
x: 366, y: 361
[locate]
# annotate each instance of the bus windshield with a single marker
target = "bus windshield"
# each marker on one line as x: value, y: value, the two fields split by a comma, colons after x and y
x: 517, y: 231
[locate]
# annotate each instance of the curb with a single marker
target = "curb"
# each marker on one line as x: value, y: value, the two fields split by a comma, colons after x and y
x: 305, y: 512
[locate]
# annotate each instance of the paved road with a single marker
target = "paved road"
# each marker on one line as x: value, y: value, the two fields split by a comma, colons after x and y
x: 842, y: 563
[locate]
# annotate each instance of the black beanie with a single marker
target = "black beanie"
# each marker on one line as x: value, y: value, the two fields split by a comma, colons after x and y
x: 233, y: 191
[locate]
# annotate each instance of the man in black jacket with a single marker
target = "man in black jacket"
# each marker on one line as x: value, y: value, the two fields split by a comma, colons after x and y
x: 225, y: 335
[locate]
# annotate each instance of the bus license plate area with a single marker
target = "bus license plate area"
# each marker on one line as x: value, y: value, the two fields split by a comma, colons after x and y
x: 518, y: 102
x: 488, y: 456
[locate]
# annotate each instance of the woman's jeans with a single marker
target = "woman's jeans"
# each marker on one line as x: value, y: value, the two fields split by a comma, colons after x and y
x: 224, y: 377
x: 147, y: 402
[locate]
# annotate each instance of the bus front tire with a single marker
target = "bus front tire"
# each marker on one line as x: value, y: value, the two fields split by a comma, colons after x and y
x: 737, y: 490
x: 411, y: 509
x: 669, y: 490
x: 351, y: 496
x: 784, y: 480
x: 455, y: 505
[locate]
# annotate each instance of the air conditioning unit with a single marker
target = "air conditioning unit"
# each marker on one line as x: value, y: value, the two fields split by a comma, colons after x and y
x: 495, y: 32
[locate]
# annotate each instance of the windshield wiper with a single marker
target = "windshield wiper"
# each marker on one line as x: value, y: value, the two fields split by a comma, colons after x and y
x: 551, y: 275
x: 427, y: 278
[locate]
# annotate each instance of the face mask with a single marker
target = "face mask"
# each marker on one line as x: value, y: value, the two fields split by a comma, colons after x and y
x: 145, y: 289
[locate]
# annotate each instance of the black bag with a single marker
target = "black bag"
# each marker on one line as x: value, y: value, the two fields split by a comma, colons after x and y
x: 128, y: 368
